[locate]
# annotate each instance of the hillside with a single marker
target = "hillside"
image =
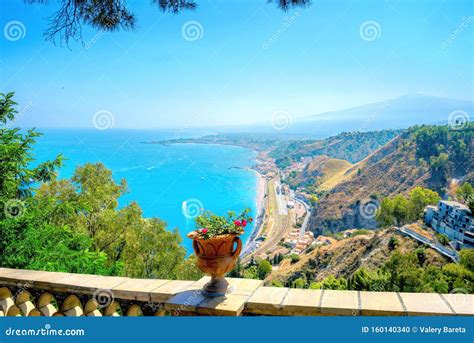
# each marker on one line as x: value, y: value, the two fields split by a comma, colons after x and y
x: 344, y: 257
x: 427, y: 156
x: 322, y: 173
x: 349, y: 146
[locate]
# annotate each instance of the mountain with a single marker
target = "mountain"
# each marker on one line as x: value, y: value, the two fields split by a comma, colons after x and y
x: 396, y: 113
x: 426, y: 156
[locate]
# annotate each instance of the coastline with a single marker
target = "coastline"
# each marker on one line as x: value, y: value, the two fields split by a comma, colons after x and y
x: 261, y: 187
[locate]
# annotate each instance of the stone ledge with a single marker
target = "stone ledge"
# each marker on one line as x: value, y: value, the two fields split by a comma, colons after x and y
x: 244, y: 296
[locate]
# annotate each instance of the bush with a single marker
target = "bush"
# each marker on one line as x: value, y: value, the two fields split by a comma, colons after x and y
x: 299, y: 283
x: 264, y: 268
x: 294, y: 258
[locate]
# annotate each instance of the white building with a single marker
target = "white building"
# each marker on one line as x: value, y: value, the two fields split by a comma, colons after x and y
x: 453, y: 220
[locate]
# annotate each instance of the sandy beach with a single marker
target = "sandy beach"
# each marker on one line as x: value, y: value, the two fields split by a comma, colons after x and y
x: 261, y: 186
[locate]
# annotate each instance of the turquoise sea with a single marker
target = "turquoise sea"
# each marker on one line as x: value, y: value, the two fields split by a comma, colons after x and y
x: 160, y: 178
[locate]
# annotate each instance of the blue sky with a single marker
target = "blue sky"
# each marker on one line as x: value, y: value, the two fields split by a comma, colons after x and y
x: 251, y: 61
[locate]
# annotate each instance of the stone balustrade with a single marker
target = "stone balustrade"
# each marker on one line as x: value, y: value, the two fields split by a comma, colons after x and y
x: 40, y: 293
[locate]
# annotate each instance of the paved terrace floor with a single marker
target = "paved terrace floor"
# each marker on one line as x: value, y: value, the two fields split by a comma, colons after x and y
x: 40, y: 293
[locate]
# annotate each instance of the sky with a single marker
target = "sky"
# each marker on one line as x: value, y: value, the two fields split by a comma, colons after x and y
x: 235, y: 62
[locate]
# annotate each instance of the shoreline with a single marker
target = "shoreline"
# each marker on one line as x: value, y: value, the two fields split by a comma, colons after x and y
x: 261, y: 186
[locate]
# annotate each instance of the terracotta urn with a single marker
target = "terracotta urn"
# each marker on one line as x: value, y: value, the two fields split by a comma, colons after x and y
x: 216, y: 256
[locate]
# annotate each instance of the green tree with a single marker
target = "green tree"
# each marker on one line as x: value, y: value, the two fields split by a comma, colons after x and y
x: 250, y: 273
x: 299, y: 283
x: 465, y: 193
x: 392, y: 243
x: 276, y: 283
x: 76, y: 225
x: 264, y: 268
x: 366, y: 280
x: 420, y: 198
x: 331, y: 282
x: 467, y: 259
x: 294, y: 258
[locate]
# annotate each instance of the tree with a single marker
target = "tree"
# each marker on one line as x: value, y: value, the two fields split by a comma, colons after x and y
x: 264, y: 268
x: 27, y: 239
x: 277, y: 283
x: 299, y: 283
x: 366, y: 280
x: 392, y: 243
x: 331, y: 282
x: 465, y: 193
x: 142, y: 245
x: 76, y: 225
x: 114, y: 15
x: 467, y: 259
x: 17, y: 177
x: 401, y: 210
x: 420, y: 198
x: 294, y: 258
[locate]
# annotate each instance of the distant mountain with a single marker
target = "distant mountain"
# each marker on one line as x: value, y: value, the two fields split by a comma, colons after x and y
x: 396, y: 113
x: 399, y: 113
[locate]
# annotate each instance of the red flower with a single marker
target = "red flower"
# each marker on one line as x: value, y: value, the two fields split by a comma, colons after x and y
x: 204, y: 230
x: 237, y: 223
x: 244, y: 223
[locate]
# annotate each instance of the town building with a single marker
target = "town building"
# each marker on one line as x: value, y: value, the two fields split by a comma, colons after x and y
x: 454, y: 220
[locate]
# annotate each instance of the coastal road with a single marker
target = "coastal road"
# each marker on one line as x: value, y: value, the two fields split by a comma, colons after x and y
x: 277, y: 224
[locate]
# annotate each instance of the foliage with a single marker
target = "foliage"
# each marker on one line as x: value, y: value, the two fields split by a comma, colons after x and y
x: 392, y: 243
x: 113, y: 15
x: 465, y: 193
x: 443, y: 239
x: 467, y: 259
x: 448, y: 151
x: 294, y: 258
x: 330, y: 282
x: 299, y: 283
x: 400, y: 210
x: 211, y: 225
x: 276, y: 283
x: 349, y: 146
x: 264, y: 268
x: 76, y: 225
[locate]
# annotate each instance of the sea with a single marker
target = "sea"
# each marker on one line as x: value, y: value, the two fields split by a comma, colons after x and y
x: 172, y: 182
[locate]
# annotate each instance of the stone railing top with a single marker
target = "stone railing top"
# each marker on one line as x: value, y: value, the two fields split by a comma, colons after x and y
x: 245, y: 296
